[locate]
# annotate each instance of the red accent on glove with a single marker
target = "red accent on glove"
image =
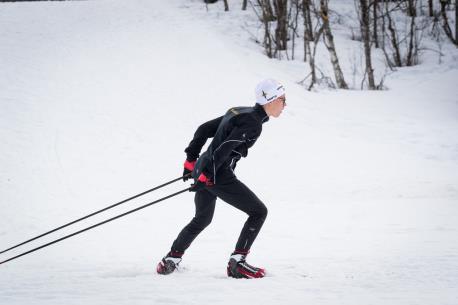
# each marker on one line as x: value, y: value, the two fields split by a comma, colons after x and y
x: 189, y: 165
x: 203, y: 178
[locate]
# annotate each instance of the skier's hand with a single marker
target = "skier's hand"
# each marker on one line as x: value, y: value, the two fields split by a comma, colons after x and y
x: 201, y: 183
x: 188, y: 168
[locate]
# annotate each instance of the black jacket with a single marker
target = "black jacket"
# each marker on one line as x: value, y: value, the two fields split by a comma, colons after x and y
x: 233, y: 134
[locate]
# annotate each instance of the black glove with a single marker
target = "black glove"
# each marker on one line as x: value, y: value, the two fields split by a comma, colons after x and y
x: 188, y: 168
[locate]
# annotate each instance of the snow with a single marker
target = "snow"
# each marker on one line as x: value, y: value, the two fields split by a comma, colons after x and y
x: 99, y: 100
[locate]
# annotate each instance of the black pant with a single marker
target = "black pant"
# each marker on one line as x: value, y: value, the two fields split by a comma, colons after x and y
x: 237, y: 194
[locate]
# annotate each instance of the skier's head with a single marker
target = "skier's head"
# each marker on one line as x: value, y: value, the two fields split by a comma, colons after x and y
x: 271, y: 95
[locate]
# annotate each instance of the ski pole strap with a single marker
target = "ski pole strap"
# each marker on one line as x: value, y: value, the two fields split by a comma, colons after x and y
x: 96, y: 225
x: 94, y: 213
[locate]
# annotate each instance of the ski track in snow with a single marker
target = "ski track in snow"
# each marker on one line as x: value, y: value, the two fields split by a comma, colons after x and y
x: 99, y: 99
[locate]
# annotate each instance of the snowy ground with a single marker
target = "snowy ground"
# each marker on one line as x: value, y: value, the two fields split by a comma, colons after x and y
x: 98, y: 101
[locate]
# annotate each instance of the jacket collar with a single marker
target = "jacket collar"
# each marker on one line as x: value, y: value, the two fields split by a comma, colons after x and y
x: 261, y: 113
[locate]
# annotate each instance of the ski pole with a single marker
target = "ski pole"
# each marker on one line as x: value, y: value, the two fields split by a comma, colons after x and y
x: 94, y: 213
x: 96, y: 225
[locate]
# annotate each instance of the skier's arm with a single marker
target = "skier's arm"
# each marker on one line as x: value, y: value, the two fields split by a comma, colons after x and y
x: 204, y: 132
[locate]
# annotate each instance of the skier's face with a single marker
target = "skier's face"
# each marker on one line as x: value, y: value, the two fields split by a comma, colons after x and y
x: 278, y: 105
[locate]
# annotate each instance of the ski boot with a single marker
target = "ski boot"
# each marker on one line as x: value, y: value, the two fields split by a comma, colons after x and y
x: 238, y: 268
x: 169, y: 263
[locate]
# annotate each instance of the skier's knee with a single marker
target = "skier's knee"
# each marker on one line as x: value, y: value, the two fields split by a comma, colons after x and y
x: 206, y: 223
x: 260, y: 213
x: 264, y: 213
x: 202, y: 222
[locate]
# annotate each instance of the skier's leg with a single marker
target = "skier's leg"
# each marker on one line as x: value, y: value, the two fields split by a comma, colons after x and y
x: 205, y: 207
x: 240, y: 196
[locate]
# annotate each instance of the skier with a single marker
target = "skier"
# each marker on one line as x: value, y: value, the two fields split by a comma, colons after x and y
x: 233, y: 134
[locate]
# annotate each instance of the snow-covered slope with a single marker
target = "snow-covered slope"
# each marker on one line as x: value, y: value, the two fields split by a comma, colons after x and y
x: 98, y: 101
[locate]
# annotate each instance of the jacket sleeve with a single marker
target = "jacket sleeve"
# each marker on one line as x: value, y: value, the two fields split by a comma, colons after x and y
x: 204, y: 132
x: 238, y: 136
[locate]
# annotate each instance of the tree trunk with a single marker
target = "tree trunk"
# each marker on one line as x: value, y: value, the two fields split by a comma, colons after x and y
x: 431, y: 8
x: 375, y: 4
x: 365, y: 33
x: 226, y: 6
x: 394, y: 39
x: 308, y: 29
x: 294, y: 24
x: 329, y: 42
x: 389, y: 62
x: 269, y: 10
x: 411, y: 8
x: 410, y: 61
x: 268, y: 13
x: 265, y: 19
x: 310, y: 41
x: 244, y: 5
x: 445, y: 25
x: 281, y: 32
x: 317, y: 36
x: 308, y: 38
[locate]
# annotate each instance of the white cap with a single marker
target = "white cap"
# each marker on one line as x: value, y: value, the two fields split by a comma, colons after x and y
x: 268, y: 90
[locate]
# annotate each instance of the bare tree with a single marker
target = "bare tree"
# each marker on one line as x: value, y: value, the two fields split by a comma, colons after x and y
x: 309, y: 39
x: 365, y: 33
x: 329, y: 42
x: 226, y: 6
x: 265, y: 17
x: 312, y: 55
x: 413, y: 47
x: 393, y: 37
x: 445, y: 24
x: 374, y: 19
x: 411, y: 8
x: 266, y: 7
x: 274, y: 45
x: 281, y: 32
x: 431, y: 8
x: 269, y: 11
x: 244, y: 5
x: 295, y: 10
x: 389, y: 62
x: 308, y: 28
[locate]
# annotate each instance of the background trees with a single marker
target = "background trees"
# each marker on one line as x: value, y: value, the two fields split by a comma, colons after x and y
x: 393, y: 28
